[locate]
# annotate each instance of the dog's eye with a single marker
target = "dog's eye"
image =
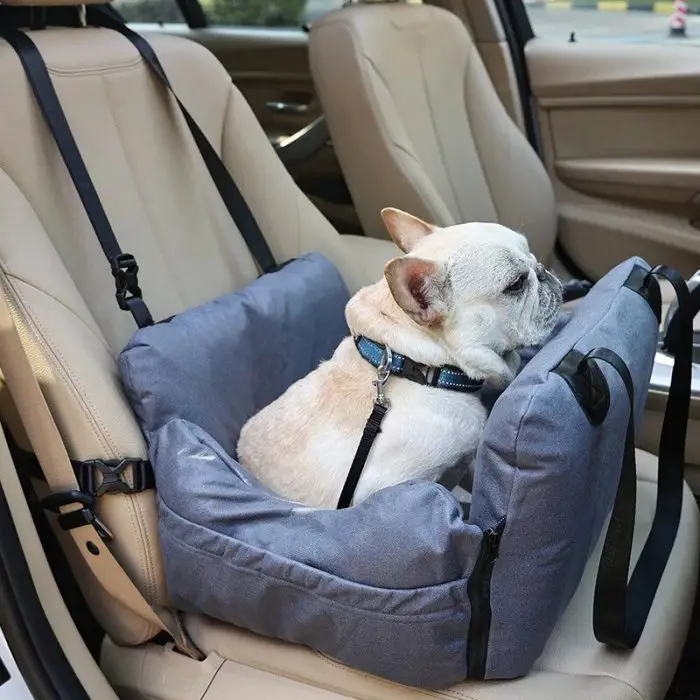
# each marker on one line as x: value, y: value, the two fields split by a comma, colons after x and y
x: 517, y: 285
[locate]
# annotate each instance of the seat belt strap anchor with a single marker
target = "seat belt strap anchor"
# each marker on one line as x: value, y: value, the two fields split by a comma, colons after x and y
x: 79, y: 517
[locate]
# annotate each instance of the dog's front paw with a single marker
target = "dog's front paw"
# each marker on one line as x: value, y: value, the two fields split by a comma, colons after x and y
x: 508, y: 368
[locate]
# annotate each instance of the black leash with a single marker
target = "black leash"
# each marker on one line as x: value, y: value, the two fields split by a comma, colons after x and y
x: 621, y: 609
x: 369, y: 434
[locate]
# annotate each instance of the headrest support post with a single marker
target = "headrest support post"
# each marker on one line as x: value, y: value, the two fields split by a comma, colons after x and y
x: 82, y: 15
x: 37, y: 18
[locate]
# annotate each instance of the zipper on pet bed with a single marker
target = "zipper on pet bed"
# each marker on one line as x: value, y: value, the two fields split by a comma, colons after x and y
x: 479, y: 591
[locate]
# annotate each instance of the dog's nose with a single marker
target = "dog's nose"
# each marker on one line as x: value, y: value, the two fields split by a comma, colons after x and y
x: 541, y: 272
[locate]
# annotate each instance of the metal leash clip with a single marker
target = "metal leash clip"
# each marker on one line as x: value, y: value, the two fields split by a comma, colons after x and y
x: 383, y: 374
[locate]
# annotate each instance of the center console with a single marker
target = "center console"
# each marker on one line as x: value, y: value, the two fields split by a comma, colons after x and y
x: 663, y: 366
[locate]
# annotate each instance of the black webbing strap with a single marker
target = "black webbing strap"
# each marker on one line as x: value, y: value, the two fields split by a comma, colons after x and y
x: 671, y: 338
x: 123, y: 266
x: 621, y: 609
x: 369, y: 434
x: 230, y: 194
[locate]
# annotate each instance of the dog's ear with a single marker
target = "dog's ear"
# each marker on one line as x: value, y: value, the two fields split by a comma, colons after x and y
x: 420, y: 288
x: 405, y: 229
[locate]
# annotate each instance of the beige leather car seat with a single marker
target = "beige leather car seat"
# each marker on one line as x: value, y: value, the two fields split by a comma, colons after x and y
x: 417, y: 124
x: 165, y: 210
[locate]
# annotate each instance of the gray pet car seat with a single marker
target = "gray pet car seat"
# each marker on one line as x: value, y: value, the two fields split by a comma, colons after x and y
x: 404, y: 585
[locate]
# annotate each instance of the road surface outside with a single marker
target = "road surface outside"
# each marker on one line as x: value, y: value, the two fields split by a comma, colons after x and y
x: 610, y: 25
x: 554, y: 23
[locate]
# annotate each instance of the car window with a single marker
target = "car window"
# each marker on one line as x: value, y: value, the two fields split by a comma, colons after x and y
x: 160, y: 11
x: 281, y: 14
x: 626, y: 21
x: 263, y: 13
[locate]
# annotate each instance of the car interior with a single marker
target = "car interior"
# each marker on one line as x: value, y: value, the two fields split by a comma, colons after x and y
x: 590, y: 149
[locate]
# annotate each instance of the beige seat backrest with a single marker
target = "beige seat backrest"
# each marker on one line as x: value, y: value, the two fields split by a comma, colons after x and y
x: 165, y: 210
x: 417, y: 124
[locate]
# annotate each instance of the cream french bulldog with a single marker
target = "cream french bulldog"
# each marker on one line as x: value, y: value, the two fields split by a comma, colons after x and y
x: 461, y: 298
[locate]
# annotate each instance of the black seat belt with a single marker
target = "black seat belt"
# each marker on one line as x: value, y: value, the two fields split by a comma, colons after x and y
x: 230, y: 194
x: 123, y: 265
x: 621, y: 609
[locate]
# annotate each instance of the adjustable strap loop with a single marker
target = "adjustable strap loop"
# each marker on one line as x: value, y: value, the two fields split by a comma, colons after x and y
x: 621, y: 609
x: 125, y: 271
x: 670, y: 342
x: 82, y: 517
x: 124, y: 267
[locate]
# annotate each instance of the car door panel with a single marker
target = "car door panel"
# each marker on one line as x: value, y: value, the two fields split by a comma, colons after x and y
x: 269, y: 66
x: 618, y: 125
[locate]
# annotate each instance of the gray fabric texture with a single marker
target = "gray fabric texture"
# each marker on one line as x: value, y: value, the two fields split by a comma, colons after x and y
x: 220, y: 363
x: 551, y: 475
x: 383, y: 586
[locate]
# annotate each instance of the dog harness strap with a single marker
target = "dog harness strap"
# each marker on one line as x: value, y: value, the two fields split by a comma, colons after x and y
x: 401, y: 366
x: 372, y: 429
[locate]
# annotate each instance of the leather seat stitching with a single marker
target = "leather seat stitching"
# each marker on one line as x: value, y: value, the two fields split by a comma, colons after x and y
x: 380, y: 123
x: 59, y: 364
x: 389, y: 138
x: 23, y: 280
x: 433, y: 123
x: 96, y: 70
x: 467, y: 82
x: 377, y: 679
x: 141, y: 534
x: 159, y: 249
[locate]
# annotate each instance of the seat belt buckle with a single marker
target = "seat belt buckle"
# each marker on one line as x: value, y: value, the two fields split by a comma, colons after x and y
x: 113, y: 476
x: 76, y: 518
x: 125, y: 271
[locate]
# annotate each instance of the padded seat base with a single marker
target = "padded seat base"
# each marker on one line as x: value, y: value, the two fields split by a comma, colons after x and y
x: 573, y: 666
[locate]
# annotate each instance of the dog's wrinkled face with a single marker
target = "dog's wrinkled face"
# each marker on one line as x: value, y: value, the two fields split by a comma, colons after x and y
x: 475, y: 284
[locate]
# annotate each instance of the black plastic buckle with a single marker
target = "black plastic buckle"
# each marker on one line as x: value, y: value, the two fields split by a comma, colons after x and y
x: 76, y: 518
x: 125, y: 271
x: 418, y: 373
x: 113, y: 480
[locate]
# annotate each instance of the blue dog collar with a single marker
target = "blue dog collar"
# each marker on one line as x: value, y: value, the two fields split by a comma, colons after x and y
x: 445, y: 377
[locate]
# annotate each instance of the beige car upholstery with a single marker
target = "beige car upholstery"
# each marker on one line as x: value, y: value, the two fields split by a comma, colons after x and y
x: 417, y: 124
x: 165, y: 211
